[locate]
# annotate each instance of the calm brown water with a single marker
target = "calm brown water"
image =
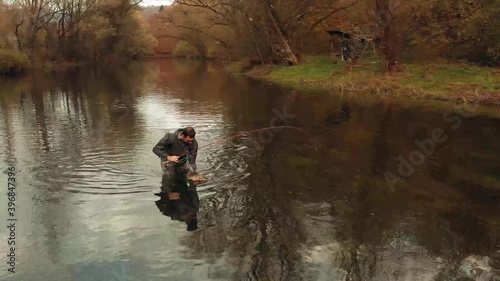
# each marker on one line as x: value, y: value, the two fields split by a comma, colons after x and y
x: 280, y: 205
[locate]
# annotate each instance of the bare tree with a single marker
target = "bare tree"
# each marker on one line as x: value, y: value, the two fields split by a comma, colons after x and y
x: 388, y: 20
x: 38, y: 13
x: 70, y: 15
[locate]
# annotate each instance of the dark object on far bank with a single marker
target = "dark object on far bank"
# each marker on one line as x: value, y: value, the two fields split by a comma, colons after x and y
x: 351, y: 47
x: 339, y: 33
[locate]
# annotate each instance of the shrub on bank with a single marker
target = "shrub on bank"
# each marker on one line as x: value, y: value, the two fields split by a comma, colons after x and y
x: 12, y: 62
x: 184, y: 49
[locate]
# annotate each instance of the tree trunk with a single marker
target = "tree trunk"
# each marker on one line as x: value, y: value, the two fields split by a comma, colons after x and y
x: 256, y: 45
x: 391, y: 42
x: 62, y: 35
x: 288, y: 54
x: 19, y: 44
x: 33, y: 47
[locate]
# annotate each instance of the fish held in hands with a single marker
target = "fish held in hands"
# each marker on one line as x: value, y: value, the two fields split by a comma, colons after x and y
x: 196, y: 178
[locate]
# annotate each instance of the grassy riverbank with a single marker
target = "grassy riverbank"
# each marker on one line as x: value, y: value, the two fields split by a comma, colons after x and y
x: 441, y: 81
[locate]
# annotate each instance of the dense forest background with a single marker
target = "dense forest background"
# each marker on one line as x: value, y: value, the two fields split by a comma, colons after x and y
x: 72, y: 30
x: 266, y: 31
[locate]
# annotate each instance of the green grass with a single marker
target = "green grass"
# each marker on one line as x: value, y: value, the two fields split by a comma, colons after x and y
x: 443, y: 81
x: 314, y: 68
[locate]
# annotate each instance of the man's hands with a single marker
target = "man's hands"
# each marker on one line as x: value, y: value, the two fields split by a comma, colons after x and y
x: 174, y: 196
x: 173, y: 158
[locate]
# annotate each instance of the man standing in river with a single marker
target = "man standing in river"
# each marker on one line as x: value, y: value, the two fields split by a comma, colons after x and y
x: 177, y: 152
x: 176, y: 147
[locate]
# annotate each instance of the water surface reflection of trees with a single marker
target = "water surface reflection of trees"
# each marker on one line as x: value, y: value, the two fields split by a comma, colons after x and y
x: 303, y: 207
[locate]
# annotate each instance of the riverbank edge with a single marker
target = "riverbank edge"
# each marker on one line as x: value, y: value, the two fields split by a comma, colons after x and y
x: 51, y: 67
x: 321, y: 73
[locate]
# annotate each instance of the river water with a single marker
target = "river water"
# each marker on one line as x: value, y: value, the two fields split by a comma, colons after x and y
x: 369, y: 188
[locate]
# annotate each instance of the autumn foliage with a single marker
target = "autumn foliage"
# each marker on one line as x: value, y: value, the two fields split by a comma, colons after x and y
x: 75, y: 30
x: 261, y: 31
x: 284, y: 31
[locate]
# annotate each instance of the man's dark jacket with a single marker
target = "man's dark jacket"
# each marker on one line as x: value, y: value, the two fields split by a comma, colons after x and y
x: 171, y: 145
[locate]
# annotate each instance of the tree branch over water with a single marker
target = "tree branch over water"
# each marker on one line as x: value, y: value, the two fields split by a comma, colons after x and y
x: 328, y: 15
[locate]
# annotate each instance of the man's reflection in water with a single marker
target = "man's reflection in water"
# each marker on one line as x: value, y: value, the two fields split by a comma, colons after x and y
x: 179, y: 200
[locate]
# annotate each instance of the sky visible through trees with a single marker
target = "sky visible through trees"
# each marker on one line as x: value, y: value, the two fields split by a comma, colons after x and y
x: 146, y: 3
